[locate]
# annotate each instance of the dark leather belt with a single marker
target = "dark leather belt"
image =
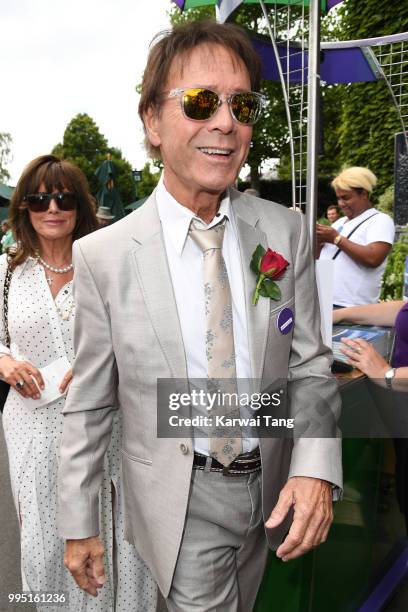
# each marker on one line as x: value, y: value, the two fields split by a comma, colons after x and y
x: 243, y: 464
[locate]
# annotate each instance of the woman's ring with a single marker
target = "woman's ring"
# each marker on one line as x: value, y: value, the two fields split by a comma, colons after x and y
x: 19, y: 384
x: 359, y: 349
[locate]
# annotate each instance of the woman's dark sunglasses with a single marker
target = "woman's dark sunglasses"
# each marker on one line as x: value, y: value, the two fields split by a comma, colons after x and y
x: 201, y: 104
x: 39, y: 202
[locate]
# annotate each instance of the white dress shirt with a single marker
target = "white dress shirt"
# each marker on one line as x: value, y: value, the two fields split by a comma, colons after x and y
x: 185, y: 261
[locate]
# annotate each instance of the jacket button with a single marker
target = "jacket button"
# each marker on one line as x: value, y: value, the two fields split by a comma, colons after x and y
x: 184, y: 449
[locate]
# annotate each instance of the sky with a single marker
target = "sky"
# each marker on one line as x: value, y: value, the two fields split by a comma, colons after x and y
x: 59, y: 58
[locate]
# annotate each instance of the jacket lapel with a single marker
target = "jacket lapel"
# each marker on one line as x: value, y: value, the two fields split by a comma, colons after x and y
x: 249, y: 236
x: 149, y: 255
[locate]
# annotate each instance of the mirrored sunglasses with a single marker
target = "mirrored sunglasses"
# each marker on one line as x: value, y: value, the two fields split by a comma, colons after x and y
x: 39, y: 202
x: 200, y: 104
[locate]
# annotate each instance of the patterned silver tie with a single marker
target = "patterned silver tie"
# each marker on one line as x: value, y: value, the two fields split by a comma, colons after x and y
x: 225, y: 444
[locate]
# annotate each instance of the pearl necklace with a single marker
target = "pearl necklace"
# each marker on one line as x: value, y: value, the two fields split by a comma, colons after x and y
x: 56, y: 270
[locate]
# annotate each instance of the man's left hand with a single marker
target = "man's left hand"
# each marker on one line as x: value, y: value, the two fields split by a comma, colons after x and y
x: 84, y: 559
x: 312, y: 500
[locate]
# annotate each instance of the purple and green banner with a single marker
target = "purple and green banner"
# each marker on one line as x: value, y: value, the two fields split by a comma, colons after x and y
x: 342, y: 65
x: 226, y: 7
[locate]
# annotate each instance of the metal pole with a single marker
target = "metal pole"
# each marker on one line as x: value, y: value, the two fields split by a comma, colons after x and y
x: 286, y: 101
x: 313, y: 83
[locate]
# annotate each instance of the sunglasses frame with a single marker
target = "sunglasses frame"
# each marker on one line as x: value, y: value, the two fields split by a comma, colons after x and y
x: 57, y: 196
x: 180, y: 91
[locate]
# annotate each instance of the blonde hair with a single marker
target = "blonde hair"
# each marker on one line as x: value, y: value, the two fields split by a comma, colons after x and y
x: 355, y: 177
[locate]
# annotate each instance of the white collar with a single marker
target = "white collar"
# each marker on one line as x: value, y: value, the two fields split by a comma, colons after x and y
x: 176, y: 218
x: 366, y: 214
x: 29, y: 263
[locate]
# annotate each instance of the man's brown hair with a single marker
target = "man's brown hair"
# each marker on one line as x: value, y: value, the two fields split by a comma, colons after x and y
x: 178, y: 42
x: 53, y: 173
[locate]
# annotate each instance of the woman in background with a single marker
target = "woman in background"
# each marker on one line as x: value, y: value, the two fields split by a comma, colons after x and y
x: 50, y: 208
x: 363, y: 356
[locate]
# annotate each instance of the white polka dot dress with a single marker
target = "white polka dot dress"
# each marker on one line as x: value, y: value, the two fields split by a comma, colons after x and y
x: 41, y: 331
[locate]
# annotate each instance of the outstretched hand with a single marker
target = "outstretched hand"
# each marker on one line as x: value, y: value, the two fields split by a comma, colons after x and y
x: 362, y: 355
x: 312, y: 501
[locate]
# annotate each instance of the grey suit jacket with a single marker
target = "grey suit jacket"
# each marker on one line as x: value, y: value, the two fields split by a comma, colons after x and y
x: 127, y: 335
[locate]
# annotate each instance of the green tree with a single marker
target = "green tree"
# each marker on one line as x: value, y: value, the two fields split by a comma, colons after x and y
x: 369, y: 119
x: 85, y: 146
x: 392, y: 286
x: 5, y: 155
x: 148, y: 182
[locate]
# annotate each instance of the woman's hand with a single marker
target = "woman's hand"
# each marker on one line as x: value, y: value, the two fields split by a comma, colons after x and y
x: 362, y: 355
x: 21, y: 376
x: 66, y: 381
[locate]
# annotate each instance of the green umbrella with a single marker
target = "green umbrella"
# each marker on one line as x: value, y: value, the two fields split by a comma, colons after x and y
x: 230, y: 5
x: 4, y: 211
x: 108, y: 195
x: 6, y: 192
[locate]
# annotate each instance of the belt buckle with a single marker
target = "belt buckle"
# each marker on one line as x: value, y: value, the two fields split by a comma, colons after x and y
x: 226, y: 471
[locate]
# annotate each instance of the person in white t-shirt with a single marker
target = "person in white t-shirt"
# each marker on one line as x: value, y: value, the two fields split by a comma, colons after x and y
x: 359, y: 242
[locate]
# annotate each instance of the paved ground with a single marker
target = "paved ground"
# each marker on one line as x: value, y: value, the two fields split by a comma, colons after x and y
x: 9, y: 539
x: 10, y: 542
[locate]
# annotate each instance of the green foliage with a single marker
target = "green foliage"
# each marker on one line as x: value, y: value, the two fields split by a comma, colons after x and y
x: 386, y: 201
x: 256, y: 259
x: 148, y: 182
x: 85, y: 146
x: 330, y: 155
x: 196, y: 14
x: 369, y: 119
x: 5, y: 155
x: 369, y: 122
x: 393, y: 278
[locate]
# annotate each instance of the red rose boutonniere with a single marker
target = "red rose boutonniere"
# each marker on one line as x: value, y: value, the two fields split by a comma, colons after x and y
x: 268, y: 266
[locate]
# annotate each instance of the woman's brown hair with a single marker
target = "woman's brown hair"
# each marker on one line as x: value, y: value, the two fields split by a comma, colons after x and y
x: 54, y: 174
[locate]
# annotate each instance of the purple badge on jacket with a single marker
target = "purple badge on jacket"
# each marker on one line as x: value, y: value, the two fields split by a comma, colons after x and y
x: 285, y: 320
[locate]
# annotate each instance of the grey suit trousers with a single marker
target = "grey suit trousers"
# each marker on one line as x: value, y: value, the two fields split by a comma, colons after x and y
x: 224, y: 550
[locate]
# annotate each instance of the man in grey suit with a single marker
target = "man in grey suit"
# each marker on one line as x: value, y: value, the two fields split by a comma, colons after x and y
x: 166, y: 293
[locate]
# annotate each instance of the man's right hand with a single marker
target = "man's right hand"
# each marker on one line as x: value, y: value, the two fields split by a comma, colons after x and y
x: 84, y: 559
